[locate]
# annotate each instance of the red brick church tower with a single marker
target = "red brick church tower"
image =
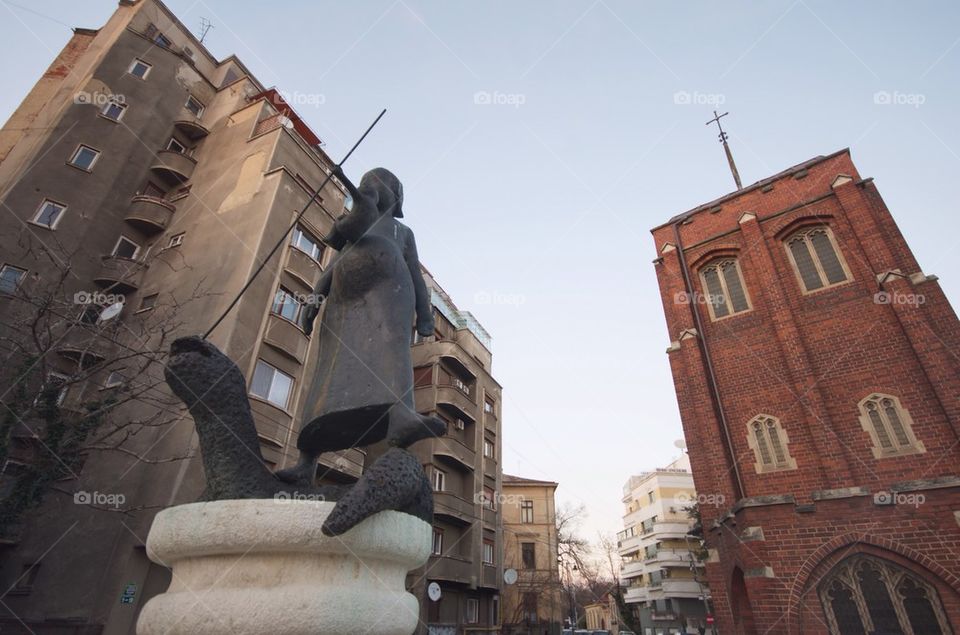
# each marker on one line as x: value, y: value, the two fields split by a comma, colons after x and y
x: 817, y: 371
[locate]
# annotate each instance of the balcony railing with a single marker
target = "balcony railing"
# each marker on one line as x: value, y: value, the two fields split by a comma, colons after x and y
x: 120, y: 275
x: 174, y: 166
x: 189, y: 124
x: 150, y: 214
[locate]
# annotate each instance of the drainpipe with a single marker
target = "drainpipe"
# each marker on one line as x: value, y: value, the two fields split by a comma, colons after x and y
x: 708, y: 362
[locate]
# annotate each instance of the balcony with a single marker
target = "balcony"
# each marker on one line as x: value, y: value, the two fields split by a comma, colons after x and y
x: 490, y: 578
x: 173, y: 166
x: 673, y: 587
x: 456, y: 453
x: 303, y: 267
x: 452, y: 396
x: 452, y: 569
x: 669, y: 558
x: 120, y: 275
x: 667, y: 529
x: 286, y: 337
x: 83, y: 346
x: 632, y: 570
x: 273, y: 424
x: 629, y: 544
x: 636, y: 594
x: 150, y: 214
x: 188, y: 124
x: 454, y: 507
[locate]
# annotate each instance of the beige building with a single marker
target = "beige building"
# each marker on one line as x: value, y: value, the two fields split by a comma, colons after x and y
x: 603, y: 615
x: 163, y: 177
x: 533, y: 604
x: 663, y: 578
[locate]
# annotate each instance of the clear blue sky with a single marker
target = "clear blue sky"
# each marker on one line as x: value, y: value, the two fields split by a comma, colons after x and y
x: 584, y: 148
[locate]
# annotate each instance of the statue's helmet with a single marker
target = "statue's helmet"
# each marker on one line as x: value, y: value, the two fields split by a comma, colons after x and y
x: 382, y: 185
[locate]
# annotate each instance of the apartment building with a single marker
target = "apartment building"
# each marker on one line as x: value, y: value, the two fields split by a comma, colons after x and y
x: 142, y: 170
x: 533, y: 602
x: 663, y: 578
x: 453, y: 381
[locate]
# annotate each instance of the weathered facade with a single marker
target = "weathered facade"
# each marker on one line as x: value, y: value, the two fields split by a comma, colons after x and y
x: 819, y: 387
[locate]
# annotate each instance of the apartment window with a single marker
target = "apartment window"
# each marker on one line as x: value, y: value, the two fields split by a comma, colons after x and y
x: 193, y: 105
x: 473, y: 610
x: 530, y: 611
x: 889, y: 425
x: 423, y: 376
x: 488, y: 547
x: 139, y: 69
x: 175, y: 241
x: 49, y: 213
x: 271, y: 384
x: 84, y: 157
x: 114, y: 379
x: 176, y: 146
x: 488, y: 406
x: 113, y: 110
x: 437, y: 541
x: 286, y: 305
x: 488, y: 448
x: 10, y: 278
x: 162, y: 40
x: 816, y: 259
x: 726, y: 294
x: 305, y: 242
x: 148, y: 301
x: 651, y: 497
x: 126, y: 248
x: 489, y: 498
x: 768, y: 440
x: 528, y: 555
x: 439, y: 480
x: 152, y: 189
x: 526, y: 511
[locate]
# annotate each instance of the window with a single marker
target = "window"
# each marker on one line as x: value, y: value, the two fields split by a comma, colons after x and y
x: 528, y: 555
x: 271, y: 383
x: 139, y: 68
x: 126, y: 248
x: 650, y: 497
x: 439, y: 480
x: 148, y: 301
x: 10, y: 278
x: 152, y: 189
x: 489, y: 498
x: 113, y: 110
x: 423, y: 376
x: 28, y: 577
x: 49, y: 213
x: 889, y: 425
x: 286, y: 305
x: 768, y: 440
x: 526, y: 511
x: 473, y: 610
x: 529, y: 601
x: 176, y: 146
x: 162, y: 40
x: 488, y: 547
x: 84, y: 157
x: 864, y: 594
x: 488, y: 448
x: 193, y: 105
x: 488, y: 405
x: 114, y: 379
x: 175, y: 241
x: 816, y: 258
x: 437, y: 541
x: 723, y: 282
x: 305, y: 242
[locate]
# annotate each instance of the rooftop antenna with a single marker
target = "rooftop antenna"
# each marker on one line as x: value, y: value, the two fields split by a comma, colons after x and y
x: 205, y: 26
x: 726, y: 147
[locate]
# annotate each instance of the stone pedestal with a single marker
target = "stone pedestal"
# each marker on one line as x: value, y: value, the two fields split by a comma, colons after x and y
x: 249, y: 567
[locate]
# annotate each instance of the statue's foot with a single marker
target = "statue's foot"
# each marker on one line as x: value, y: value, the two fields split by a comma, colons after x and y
x: 406, y: 431
x: 300, y: 474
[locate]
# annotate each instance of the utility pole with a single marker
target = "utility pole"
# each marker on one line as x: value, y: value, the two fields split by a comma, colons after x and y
x: 726, y: 147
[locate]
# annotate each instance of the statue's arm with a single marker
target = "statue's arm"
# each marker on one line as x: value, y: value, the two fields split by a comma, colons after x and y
x: 355, y: 223
x: 321, y: 290
x: 424, y: 309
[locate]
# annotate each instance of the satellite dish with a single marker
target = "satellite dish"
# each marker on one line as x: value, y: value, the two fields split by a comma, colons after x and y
x: 433, y: 591
x: 680, y: 443
x: 111, y: 311
x: 286, y: 122
x: 510, y: 576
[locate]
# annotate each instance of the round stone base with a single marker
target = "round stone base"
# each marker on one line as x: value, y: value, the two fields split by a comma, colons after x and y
x: 263, y: 566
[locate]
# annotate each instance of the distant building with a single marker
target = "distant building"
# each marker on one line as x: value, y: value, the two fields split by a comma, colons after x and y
x: 664, y: 579
x: 533, y: 605
x: 603, y: 615
x: 817, y: 373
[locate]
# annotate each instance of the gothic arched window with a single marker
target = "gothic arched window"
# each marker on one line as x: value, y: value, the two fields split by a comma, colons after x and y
x: 864, y: 594
x: 723, y: 283
x: 816, y: 258
x: 889, y: 425
x: 768, y: 440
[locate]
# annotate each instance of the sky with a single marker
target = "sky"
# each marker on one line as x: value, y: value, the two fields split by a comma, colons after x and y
x: 540, y: 141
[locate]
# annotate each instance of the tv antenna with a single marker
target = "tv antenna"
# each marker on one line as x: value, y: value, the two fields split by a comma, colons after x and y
x: 205, y: 26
